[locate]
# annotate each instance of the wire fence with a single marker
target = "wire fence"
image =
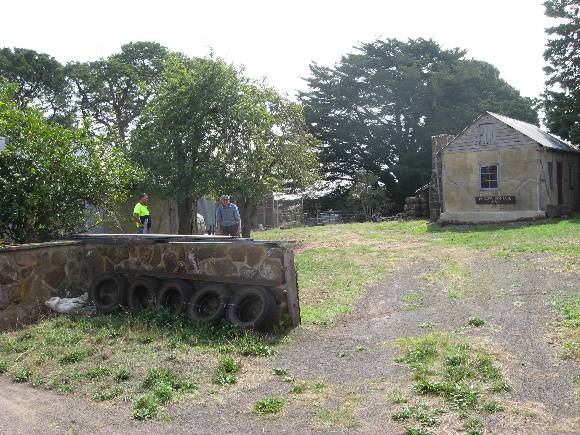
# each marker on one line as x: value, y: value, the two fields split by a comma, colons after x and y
x: 288, y: 213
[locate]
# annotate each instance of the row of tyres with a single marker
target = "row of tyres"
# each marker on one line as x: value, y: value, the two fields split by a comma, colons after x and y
x: 247, y: 307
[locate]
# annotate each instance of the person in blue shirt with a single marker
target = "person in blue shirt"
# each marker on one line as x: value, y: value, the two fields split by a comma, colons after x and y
x: 227, y: 216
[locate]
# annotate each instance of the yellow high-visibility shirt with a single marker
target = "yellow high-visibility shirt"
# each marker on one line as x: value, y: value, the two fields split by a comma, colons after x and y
x: 140, y: 210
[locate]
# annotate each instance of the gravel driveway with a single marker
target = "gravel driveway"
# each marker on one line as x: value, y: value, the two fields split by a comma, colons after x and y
x: 348, y: 370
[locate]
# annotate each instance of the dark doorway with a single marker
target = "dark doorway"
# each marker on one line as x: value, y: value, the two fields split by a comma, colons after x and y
x: 559, y: 182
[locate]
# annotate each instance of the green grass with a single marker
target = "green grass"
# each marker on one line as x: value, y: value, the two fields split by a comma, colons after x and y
x: 147, y: 360
x: 269, y: 405
x: 225, y: 370
x: 554, y: 235
x: 336, y: 262
x: 568, y: 328
x: 445, y: 367
x: 475, y: 321
x: 150, y: 359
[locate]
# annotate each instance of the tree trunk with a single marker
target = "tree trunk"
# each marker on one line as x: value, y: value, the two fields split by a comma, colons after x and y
x: 173, y: 216
x: 194, y: 228
x: 184, y: 214
x: 247, y: 213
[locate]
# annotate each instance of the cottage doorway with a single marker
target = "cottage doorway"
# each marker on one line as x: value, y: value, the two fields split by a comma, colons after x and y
x: 559, y: 182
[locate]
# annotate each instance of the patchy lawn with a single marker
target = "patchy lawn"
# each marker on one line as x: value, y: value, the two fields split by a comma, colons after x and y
x: 336, y: 262
x: 445, y: 288
x: 568, y: 327
x: 147, y: 361
x: 451, y: 378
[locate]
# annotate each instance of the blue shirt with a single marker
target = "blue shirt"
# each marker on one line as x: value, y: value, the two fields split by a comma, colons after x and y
x: 227, y: 216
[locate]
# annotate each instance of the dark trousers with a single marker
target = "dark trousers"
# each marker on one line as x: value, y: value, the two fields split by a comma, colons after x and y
x: 231, y: 230
x: 146, y: 223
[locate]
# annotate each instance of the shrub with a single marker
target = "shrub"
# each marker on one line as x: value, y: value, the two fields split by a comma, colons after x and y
x: 48, y: 173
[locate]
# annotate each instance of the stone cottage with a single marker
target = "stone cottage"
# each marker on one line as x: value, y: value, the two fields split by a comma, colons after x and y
x: 501, y: 169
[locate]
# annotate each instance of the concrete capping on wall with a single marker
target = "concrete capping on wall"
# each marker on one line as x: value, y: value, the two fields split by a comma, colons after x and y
x: 30, y: 274
x: 490, y: 216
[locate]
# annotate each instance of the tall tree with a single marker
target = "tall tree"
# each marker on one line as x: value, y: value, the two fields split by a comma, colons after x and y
x: 183, y: 129
x: 562, y: 95
x: 49, y: 174
x: 115, y: 90
x: 41, y: 81
x: 376, y: 110
x: 271, y: 153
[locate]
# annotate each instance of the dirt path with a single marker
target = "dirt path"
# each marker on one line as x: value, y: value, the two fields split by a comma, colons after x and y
x: 348, y: 370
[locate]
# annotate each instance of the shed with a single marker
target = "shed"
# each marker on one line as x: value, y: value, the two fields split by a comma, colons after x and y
x: 502, y: 169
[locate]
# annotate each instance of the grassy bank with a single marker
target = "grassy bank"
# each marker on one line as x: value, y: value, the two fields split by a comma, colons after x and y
x: 336, y: 262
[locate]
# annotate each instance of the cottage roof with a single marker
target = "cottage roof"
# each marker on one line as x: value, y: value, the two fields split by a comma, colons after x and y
x: 535, y: 133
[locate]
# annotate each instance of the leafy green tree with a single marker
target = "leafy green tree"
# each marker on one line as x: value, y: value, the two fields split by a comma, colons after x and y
x: 562, y: 95
x: 40, y: 80
x: 367, y: 194
x: 115, y: 90
x: 272, y: 152
x: 184, y: 127
x: 49, y: 174
x: 376, y: 110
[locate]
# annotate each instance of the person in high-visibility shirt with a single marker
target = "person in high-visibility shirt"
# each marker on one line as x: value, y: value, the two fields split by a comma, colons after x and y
x: 141, y: 215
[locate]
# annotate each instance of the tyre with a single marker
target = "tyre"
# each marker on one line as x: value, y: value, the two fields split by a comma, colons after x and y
x: 142, y: 294
x: 174, y: 295
x: 108, y: 291
x: 209, y: 303
x: 251, y: 308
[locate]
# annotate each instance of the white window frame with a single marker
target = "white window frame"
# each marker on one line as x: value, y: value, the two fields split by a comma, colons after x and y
x: 488, y: 165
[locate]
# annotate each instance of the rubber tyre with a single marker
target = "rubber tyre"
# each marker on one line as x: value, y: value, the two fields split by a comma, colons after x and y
x: 209, y: 304
x: 174, y: 295
x: 251, y: 308
x: 142, y: 294
x: 108, y: 291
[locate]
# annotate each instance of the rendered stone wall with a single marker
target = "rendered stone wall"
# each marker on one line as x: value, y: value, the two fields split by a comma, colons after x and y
x: 31, y: 274
x: 517, y: 177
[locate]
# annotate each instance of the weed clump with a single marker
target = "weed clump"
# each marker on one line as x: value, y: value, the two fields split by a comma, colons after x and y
x: 269, y: 405
x: 475, y: 321
x: 73, y: 357
x: 109, y: 394
x: 568, y: 328
x: 298, y: 389
x: 453, y: 370
x: 422, y: 413
x: 22, y: 375
x: 122, y: 374
x: 279, y: 372
x: 145, y: 407
x: 161, y: 384
x: 225, y: 371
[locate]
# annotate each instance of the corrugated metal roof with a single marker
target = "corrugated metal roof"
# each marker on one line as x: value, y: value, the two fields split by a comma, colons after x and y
x: 535, y: 133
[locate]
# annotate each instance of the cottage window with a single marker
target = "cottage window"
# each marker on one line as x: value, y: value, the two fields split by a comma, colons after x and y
x: 551, y: 175
x: 486, y: 134
x: 488, y: 176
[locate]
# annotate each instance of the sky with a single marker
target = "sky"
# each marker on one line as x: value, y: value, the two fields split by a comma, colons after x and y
x: 277, y: 40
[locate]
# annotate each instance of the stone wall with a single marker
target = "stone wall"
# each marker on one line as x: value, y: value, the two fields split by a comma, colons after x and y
x: 30, y: 274
x: 436, y: 185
